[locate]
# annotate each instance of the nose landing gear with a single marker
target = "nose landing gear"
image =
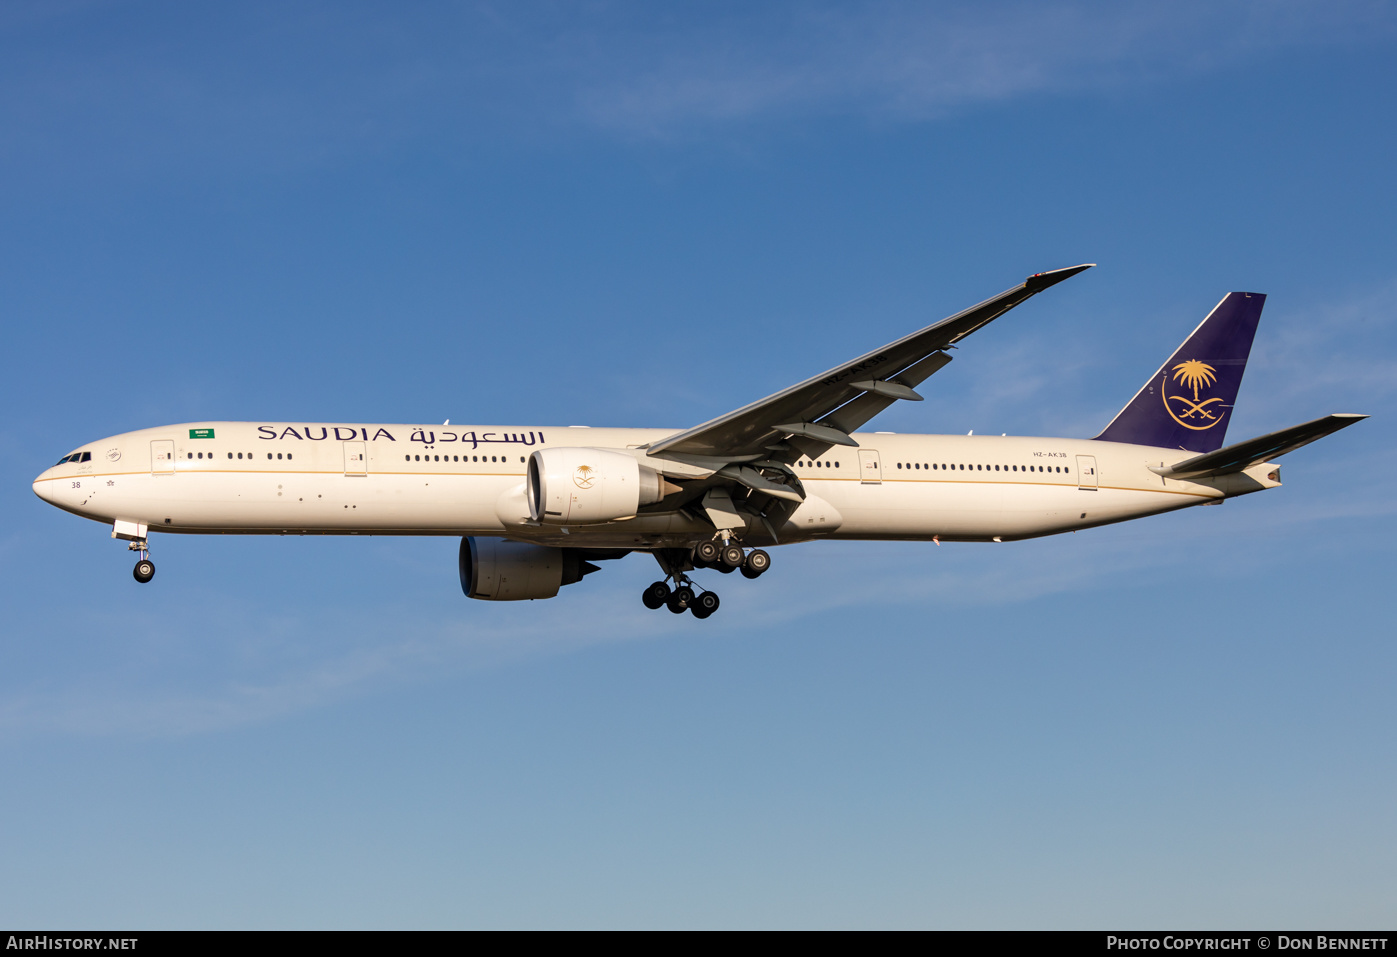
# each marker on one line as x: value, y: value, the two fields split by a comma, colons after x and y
x: 145, y: 568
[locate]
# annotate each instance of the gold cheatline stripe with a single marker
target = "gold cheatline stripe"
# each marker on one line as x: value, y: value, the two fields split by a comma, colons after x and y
x: 852, y: 479
x: 1112, y: 488
x: 89, y: 475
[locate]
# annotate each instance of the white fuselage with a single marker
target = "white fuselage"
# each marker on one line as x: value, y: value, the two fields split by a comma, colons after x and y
x: 347, y: 479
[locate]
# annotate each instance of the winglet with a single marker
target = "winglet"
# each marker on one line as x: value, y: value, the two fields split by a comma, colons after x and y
x: 1042, y: 280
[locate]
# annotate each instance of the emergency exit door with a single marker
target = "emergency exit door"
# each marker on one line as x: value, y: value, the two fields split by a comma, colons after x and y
x: 870, y: 468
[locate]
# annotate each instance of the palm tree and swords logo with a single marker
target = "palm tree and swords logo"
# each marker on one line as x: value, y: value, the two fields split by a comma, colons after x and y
x: 583, y: 476
x: 1196, y: 375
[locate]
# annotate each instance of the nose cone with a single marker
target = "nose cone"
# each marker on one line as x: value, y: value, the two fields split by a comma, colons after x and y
x: 46, y: 487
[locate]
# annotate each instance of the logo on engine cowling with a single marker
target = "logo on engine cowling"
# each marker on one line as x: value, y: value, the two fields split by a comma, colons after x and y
x: 583, y: 476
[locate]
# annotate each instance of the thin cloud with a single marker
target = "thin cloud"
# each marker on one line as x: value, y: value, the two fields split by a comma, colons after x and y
x: 911, y: 62
x: 262, y: 86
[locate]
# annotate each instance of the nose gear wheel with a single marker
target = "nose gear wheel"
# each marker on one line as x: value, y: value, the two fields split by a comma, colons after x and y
x: 145, y: 568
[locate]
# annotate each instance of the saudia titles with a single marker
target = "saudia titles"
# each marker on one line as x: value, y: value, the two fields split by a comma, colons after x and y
x: 428, y: 437
x: 1193, y: 413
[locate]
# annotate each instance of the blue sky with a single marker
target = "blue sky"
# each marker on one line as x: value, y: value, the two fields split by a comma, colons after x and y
x: 624, y: 214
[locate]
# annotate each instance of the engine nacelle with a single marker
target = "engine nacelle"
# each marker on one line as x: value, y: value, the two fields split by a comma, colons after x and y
x: 577, y: 486
x: 498, y: 570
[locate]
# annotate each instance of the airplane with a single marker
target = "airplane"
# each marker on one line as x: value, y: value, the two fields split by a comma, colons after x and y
x: 537, y: 507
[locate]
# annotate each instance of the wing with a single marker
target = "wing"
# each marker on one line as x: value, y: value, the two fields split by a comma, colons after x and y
x: 822, y: 411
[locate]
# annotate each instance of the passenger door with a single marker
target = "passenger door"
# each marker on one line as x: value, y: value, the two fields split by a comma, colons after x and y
x: 355, y: 459
x: 162, y: 457
x: 870, y: 468
x: 1086, y: 472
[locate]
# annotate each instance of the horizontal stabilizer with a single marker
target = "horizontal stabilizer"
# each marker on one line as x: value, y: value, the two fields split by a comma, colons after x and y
x: 1243, y: 455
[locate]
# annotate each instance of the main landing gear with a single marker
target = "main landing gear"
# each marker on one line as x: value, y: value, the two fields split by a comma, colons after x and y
x: 145, y: 568
x: 726, y: 558
x: 680, y: 600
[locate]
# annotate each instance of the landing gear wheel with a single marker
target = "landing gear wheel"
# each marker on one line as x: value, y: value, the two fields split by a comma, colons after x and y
x: 144, y: 570
x: 655, y: 596
x: 757, y: 563
x: 732, y: 556
x: 725, y: 569
x: 706, y: 553
x: 705, y: 604
x: 680, y: 600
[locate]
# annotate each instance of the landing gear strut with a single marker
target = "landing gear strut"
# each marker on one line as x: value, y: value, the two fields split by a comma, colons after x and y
x: 145, y: 568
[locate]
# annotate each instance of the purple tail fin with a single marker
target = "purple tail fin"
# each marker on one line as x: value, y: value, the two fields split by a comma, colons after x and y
x: 1188, y: 402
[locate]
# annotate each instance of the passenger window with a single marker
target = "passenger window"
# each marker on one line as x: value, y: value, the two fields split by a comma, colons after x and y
x: 288, y: 456
x: 836, y: 465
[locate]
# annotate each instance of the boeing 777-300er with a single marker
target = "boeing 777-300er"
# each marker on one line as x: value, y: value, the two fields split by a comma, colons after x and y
x: 536, y: 507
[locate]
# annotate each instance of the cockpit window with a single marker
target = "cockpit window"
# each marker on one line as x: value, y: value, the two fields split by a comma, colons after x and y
x: 75, y: 457
x: 86, y: 457
x: 65, y: 459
